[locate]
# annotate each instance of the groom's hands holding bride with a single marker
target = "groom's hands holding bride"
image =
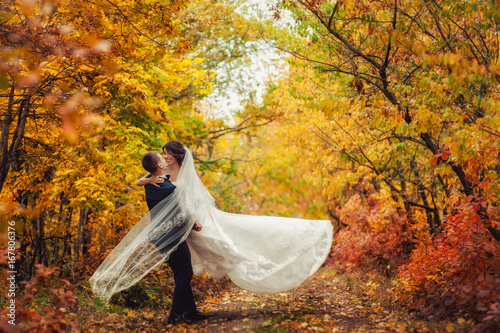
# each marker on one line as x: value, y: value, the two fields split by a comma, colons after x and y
x: 197, y: 226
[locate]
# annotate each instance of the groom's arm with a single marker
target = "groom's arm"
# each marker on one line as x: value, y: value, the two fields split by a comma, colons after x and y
x: 153, y: 180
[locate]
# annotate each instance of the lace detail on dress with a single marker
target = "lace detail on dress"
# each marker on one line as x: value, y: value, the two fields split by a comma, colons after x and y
x: 145, y: 247
x: 166, y: 226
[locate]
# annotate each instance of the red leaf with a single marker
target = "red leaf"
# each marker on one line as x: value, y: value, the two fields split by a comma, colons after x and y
x: 483, y: 293
x: 27, y: 297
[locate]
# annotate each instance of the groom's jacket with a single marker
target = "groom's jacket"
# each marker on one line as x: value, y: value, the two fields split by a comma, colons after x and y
x: 170, y: 237
x: 155, y: 194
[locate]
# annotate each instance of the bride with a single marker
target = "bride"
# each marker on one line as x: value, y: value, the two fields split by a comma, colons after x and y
x: 262, y: 254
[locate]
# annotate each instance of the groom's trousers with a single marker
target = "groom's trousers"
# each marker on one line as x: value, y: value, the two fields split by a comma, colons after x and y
x: 183, y: 300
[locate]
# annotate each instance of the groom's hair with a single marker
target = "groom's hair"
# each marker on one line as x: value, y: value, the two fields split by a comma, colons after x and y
x: 175, y: 148
x: 150, y: 161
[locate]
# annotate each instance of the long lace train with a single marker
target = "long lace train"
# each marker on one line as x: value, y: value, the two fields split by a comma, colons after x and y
x: 260, y: 253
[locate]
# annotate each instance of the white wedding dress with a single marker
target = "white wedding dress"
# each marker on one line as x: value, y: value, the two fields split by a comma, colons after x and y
x: 259, y: 253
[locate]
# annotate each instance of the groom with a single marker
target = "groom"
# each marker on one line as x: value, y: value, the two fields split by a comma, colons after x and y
x: 183, y: 305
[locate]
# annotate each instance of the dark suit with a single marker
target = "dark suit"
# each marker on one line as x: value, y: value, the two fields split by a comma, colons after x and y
x: 155, y: 194
x: 179, y: 261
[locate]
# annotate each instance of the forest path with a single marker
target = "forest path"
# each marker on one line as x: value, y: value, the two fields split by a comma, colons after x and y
x: 317, y: 305
x: 326, y: 302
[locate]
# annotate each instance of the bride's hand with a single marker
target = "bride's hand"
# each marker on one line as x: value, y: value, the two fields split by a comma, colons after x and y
x: 154, y: 180
x: 197, y: 226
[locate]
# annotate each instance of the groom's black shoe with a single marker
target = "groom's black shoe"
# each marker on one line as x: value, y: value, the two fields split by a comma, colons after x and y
x: 197, y: 316
x: 188, y: 318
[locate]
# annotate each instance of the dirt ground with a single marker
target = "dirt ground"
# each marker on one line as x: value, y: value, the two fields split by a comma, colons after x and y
x: 324, y: 303
x: 317, y: 305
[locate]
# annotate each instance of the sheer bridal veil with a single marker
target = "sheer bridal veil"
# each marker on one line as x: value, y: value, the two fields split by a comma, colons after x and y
x: 258, y: 253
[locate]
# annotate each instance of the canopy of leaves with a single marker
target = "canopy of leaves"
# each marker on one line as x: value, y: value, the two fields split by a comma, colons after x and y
x: 397, y: 101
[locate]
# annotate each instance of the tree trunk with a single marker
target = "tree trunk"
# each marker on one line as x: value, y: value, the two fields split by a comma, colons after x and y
x: 16, y: 138
x: 67, y: 239
x: 4, y: 138
x: 43, y: 255
x: 80, y: 237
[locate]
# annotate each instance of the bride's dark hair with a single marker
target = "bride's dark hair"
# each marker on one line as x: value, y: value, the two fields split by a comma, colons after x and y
x: 175, y: 148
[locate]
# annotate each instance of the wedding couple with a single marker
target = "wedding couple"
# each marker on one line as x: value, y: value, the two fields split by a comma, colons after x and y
x: 258, y: 253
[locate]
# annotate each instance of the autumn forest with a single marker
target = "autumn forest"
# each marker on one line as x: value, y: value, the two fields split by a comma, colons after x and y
x: 382, y: 116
